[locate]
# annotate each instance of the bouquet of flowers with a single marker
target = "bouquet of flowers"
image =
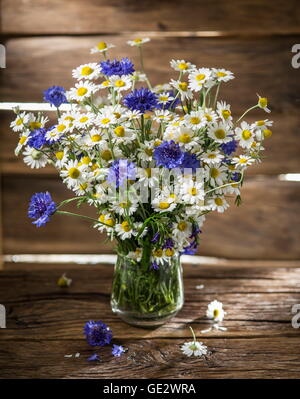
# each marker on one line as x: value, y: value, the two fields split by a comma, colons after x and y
x: 151, y: 160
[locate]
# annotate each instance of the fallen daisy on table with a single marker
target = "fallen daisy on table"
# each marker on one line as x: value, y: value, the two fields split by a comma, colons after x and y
x: 215, y: 311
x: 194, y: 347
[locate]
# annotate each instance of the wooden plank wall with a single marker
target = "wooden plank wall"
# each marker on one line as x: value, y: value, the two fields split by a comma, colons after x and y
x: 253, y: 38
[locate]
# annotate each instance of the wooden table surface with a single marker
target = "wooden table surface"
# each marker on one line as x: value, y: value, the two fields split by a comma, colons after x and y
x: 45, y: 322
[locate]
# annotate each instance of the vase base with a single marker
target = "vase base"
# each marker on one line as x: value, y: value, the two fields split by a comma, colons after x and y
x: 146, y: 322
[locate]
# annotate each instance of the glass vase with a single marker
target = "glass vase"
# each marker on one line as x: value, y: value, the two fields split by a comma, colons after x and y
x: 147, y: 297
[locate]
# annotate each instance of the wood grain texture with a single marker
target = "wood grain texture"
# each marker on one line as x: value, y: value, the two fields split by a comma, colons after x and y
x: 281, y: 153
x: 259, y: 343
x: 266, y: 226
x: 261, y: 65
x: 106, y: 16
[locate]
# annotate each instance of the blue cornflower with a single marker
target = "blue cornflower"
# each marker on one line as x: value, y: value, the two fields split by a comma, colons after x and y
x: 169, y: 244
x: 55, y: 95
x: 141, y: 100
x: 236, y: 176
x: 168, y: 154
x: 190, y: 161
x: 37, y: 138
x: 154, y: 266
x: 41, y: 207
x: 94, y: 357
x: 230, y: 147
x: 156, y: 237
x: 117, y: 350
x: 120, y: 171
x: 115, y: 67
x: 97, y: 333
x: 190, y: 249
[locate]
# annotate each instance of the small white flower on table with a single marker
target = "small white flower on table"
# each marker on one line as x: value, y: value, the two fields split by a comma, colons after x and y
x: 215, y: 312
x: 194, y: 347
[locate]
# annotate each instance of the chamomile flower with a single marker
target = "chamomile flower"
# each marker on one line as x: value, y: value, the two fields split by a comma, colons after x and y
x: 120, y: 83
x: 245, y: 135
x: 84, y: 120
x: 123, y: 207
x: 105, y: 118
x: 243, y: 161
x: 224, y: 112
x: 107, y: 222
x: 105, y: 84
x: 138, y: 41
x: 72, y: 174
x: 212, y: 157
x: 82, y: 91
x: 262, y: 124
x: 198, y: 78
x: 148, y: 177
x: 219, y: 132
x: 53, y: 135
x: 216, y: 174
x: 192, y: 193
x: 68, y: 119
x: 61, y: 158
x: 135, y: 255
x: 125, y: 230
x: 195, y: 120
x: 34, y: 158
x: 182, y: 88
x: 215, y: 311
x: 101, y: 47
x: 87, y: 71
x: 139, y: 76
x: 222, y: 75
x: 263, y: 103
x: 122, y: 134
x: 23, y: 140
x: 182, y: 66
x: 20, y: 122
x: 162, y: 116
x: 165, y: 98
x: 194, y: 348
x: 182, y: 228
x: 209, y: 115
x: 218, y: 204
x: 185, y: 136
x: 165, y: 202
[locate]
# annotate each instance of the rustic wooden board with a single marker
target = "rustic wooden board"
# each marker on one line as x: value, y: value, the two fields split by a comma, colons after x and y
x: 259, y: 343
x: 262, y: 65
x: 281, y: 153
x: 266, y: 226
x: 55, y: 16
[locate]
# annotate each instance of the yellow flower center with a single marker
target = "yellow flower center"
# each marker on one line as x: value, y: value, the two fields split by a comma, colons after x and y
x: 164, y: 205
x: 242, y: 160
x: 208, y: 117
x: 119, y: 83
x: 106, y: 155
x: 226, y: 113
x: 34, y: 125
x: 158, y: 253
x: 125, y: 226
x: 216, y: 313
x: 219, y: 201
x: 74, y: 173
x: 183, y: 66
x: 59, y: 155
x: 137, y: 41
x: 182, y: 226
x: 184, y: 138
x: 19, y: 122
x: 260, y: 123
x: 193, y: 191
x: 246, y: 134
x: 200, y: 77
x: 148, y: 172
x: 60, y: 128
x: 148, y: 151
x: 221, y: 74
x: 86, y: 160
x: 183, y: 86
x: 211, y: 156
x: 105, y: 83
x: 214, y: 172
x: 194, y: 120
x: 82, y: 91
x: 169, y: 252
x: 23, y: 139
x: 267, y: 133
x: 220, y: 134
x: 83, y: 119
x: 85, y: 71
x: 163, y: 98
x: 102, y: 218
x: 263, y: 102
x: 96, y: 137
x: 119, y: 131
x: 101, y: 46
x: 105, y: 121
